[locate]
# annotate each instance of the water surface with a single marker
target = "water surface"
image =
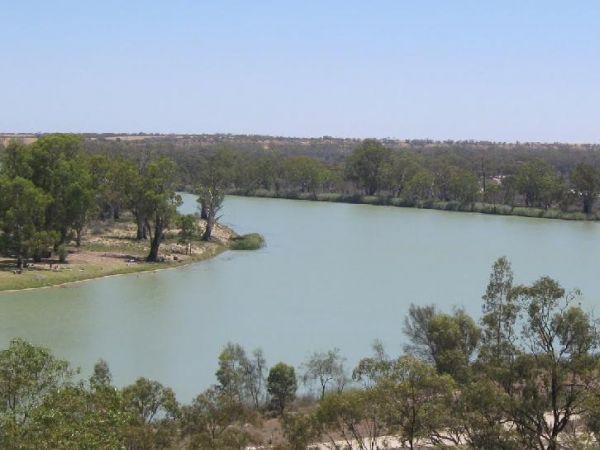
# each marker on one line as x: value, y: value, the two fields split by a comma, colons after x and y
x: 332, y: 275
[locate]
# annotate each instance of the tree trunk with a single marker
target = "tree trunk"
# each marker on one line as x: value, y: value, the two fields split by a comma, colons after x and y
x: 19, y: 262
x: 210, y: 222
x: 141, y: 229
x: 78, y: 237
x: 587, y: 205
x: 203, y: 212
x: 63, y: 237
x: 155, y: 243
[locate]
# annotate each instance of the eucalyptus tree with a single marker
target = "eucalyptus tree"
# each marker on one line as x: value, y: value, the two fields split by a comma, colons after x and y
x: 558, y: 366
x: 449, y: 341
x: 241, y: 376
x: 159, y: 201
x: 586, y: 182
x: 500, y: 313
x: 282, y: 386
x: 304, y: 174
x: 28, y: 374
x: 214, y: 420
x: 215, y: 177
x: 326, y: 369
x: 22, y: 217
x: 60, y: 168
x: 370, y: 166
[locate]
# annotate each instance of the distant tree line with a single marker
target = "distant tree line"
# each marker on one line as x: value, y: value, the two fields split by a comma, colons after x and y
x: 561, y: 177
x: 526, y: 375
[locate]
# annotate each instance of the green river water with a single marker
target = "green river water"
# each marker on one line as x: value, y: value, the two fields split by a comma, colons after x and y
x: 331, y: 275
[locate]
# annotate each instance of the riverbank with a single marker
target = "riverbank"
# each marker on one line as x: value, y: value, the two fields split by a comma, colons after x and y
x: 109, y: 250
x: 475, y: 207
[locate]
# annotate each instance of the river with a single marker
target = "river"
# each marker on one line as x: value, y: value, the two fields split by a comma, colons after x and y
x: 331, y: 275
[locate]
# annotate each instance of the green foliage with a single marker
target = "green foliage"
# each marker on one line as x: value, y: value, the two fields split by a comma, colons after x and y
x: 539, y: 184
x: 101, y: 377
x: 242, y: 377
x: 305, y: 173
x: 252, y: 241
x: 22, y: 216
x: 370, y: 165
x: 27, y: 375
x: 447, y: 341
x: 416, y: 400
x: 419, y: 187
x: 149, y: 400
x: 326, y: 369
x: 500, y: 313
x: 586, y: 182
x: 282, y: 386
x: 408, y: 173
x: 62, y: 253
x: 188, y: 228
x: 300, y: 430
x: 158, y: 201
x: 533, y: 384
x: 74, y: 417
x: 214, y: 421
x: 217, y: 175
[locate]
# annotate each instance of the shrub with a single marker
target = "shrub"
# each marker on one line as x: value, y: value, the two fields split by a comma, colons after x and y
x: 371, y: 200
x: 504, y: 209
x: 554, y: 214
x: 528, y: 212
x: 329, y: 197
x: 62, y: 253
x: 252, y: 241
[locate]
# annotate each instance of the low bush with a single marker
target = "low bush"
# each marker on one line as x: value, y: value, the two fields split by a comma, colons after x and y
x: 528, y: 212
x: 329, y: 197
x: 252, y: 241
x: 62, y: 253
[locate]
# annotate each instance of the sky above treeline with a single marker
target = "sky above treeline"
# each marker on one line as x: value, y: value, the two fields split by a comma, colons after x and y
x: 494, y: 70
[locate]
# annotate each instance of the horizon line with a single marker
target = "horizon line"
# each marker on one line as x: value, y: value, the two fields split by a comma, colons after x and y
x: 7, y: 134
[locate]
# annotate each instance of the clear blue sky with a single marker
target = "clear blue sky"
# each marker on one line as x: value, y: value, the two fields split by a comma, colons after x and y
x: 499, y: 70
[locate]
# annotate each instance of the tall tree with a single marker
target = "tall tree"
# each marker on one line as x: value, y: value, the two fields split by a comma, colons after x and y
x: 215, y: 421
x: 558, y: 368
x: 415, y: 398
x: 304, y: 173
x: 586, y: 181
x: 27, y: 375
x: 159, y: 201
x: 60, y: 168
x: 282, y: 385
x: 326, y: 369
x: 22, y: 217
x: 448, y: 341
x: 538, y: 183
x: 370, y: 165
x: 215, y: 177
x: 500, y: 312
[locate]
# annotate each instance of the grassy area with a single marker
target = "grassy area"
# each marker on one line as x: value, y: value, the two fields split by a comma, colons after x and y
x: 110, y: 250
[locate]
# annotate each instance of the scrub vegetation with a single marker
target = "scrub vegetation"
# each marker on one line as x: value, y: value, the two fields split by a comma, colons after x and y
x: 526, y: 375
x: 252, y: 241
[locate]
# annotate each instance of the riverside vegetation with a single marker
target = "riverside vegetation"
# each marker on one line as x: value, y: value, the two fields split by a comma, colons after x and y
x: 67, y: 215
x: 559, y: 181
x: 526, y: 375
x: 529, y: 179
